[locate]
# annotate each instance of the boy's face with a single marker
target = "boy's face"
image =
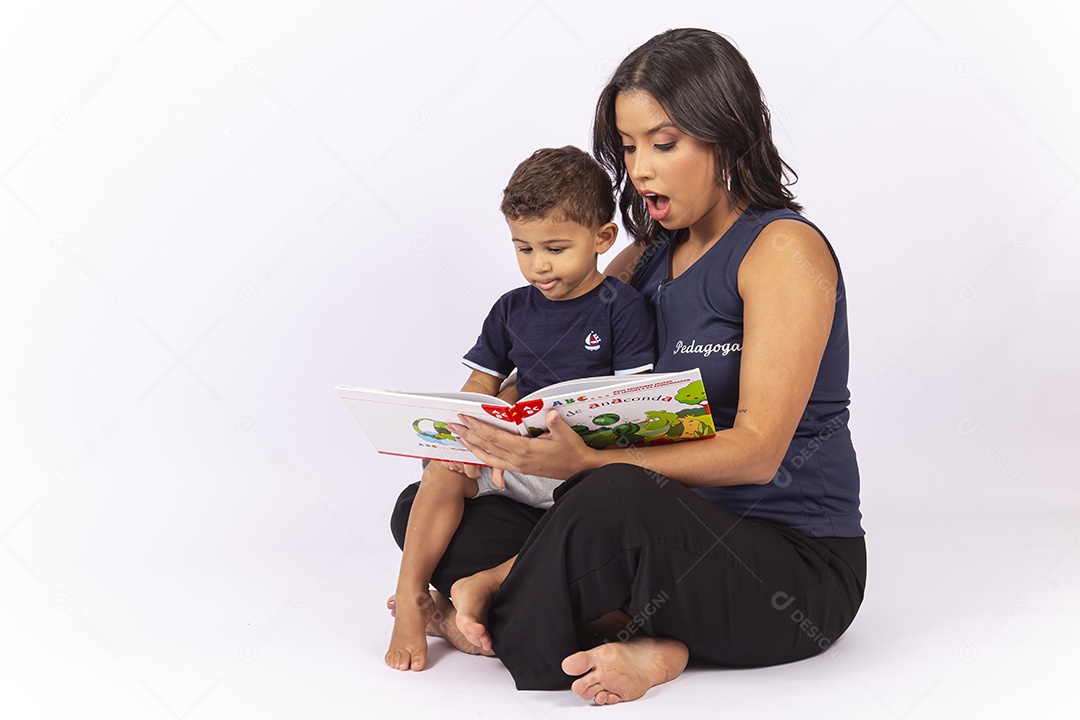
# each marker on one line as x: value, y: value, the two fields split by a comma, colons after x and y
x: 558, y: 256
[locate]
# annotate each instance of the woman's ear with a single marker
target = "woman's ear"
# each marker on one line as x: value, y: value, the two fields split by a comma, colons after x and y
x: 605, y: 237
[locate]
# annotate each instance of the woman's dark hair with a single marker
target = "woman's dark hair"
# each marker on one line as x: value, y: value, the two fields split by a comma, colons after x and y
x: 564, y: 179
x: 707, y: 89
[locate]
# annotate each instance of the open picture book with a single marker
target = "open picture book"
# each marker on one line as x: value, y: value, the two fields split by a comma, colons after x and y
x: 611, y: 411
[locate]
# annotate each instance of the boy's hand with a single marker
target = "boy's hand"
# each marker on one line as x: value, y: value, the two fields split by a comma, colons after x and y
x: 472, y: 471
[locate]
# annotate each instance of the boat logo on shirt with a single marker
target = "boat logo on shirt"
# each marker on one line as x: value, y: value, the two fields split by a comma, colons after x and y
x: 592, y: 342
x: 706, y: 349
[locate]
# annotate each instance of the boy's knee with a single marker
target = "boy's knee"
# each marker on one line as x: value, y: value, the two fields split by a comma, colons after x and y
x: 440, y: 479
x: 437, y: 472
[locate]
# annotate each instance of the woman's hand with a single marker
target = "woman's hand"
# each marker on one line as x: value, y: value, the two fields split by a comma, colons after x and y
x: 557, y: 454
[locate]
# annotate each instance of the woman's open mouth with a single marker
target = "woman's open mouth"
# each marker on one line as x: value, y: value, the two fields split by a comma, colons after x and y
x: 659, y: 205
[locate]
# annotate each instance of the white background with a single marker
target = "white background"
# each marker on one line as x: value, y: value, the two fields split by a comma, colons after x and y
x: 210, y: 214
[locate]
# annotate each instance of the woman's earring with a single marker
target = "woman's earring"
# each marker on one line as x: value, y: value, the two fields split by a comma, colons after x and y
x: 727, y: 179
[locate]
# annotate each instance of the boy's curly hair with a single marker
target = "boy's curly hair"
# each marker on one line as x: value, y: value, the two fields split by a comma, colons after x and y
x: 565, y: 179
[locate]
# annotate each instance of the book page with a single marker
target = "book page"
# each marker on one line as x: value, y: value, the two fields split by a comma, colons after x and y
x: 469, y: 396
x: 417, y: 425
x: 639, y: 410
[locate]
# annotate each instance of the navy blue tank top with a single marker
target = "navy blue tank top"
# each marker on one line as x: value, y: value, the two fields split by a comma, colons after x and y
x: 700, y: 323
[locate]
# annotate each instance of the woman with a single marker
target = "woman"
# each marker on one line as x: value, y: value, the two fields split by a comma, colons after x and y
x: 743, y: 549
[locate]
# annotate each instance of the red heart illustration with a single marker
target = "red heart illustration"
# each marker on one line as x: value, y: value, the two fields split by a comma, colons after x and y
x: 530, y: 408
x: 499, y: 412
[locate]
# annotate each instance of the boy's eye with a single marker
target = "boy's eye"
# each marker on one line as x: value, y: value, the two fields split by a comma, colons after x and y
x: 665, y: 146
x: 555, y: 251
x: 525, y: 250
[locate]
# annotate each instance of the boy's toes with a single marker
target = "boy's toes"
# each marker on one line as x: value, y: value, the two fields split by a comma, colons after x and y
x: 419, y: 661
x: 407, y: 659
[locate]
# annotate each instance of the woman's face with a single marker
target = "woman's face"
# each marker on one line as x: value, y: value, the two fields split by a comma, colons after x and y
x: 674, y: 172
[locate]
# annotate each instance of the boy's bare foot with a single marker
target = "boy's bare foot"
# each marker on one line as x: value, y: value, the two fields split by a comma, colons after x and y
x: 620, y: 672
x: 442, y: 622
x: 472, y: 597
x: 408, y: 643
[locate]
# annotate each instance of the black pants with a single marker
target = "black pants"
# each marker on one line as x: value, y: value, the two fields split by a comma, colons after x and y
x: 736, y: 591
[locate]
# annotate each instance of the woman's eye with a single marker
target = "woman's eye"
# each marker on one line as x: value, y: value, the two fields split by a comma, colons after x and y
x: 627, y: 149
x: 665, y: 146
x: 555, y: 251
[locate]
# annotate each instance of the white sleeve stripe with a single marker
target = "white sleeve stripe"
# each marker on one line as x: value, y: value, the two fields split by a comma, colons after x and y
x: 635, y: 371
x: 483, y: 369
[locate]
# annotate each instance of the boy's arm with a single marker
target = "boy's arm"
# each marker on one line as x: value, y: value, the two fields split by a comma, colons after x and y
x: 481, y: 382
x: 510, y: 393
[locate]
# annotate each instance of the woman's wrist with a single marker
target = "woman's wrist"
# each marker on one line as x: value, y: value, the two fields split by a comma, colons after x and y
x: 592, y: 458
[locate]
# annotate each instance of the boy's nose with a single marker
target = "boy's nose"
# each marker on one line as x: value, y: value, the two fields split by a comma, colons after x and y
x: 540, y: 264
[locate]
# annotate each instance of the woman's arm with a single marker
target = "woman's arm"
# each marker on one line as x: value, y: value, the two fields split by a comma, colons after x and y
x: 625, y: 263
x: 788, y: 285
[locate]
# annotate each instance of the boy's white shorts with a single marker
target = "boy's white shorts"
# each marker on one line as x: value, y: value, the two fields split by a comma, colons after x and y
x: 528, y: 489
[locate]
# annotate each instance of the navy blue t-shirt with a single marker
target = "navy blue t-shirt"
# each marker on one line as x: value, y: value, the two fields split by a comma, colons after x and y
x: 609, y: 330
x: 700, y: 322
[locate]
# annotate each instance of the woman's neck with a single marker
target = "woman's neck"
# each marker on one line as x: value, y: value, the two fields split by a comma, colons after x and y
x: 713, y: 224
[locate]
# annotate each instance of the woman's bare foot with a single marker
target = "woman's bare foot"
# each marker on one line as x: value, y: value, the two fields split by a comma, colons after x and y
x: 620, y: 672
x: 472, y: 598
x: 408, y: 641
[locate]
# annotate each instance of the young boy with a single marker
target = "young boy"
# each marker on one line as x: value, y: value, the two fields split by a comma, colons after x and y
x: 569, y: 322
